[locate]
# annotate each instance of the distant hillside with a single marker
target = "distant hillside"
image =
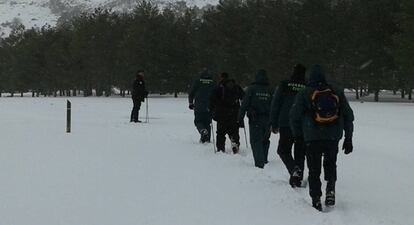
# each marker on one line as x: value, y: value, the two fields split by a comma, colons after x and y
x: 36, y: 13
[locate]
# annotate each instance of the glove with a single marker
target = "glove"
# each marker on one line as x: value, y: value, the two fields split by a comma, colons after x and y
x: 241, y: 123
x: 347, y: 146
x: 191, y: 106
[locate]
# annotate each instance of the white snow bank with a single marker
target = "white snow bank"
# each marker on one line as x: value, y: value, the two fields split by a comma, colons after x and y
x: 111, y: 172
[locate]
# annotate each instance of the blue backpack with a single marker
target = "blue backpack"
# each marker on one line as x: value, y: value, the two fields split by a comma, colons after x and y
x: 325, y: 106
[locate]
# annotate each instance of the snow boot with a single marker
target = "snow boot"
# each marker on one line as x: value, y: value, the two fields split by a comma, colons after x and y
x: 296, y: 178
x: 235, y: 147
x: 316, y: 203
x: 330, y: 198
x: 204, y: 136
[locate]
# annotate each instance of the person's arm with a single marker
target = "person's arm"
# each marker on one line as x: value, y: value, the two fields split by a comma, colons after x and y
x: 145, y: 89
x: 213, y: 99
x: 348, y: 114
x: 245, y: 105
x: 192, y: 92
x: 275, y: 108
x: 296, y: 115
x: 241, y: 92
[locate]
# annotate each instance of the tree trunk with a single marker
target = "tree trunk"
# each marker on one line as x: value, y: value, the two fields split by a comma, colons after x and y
x: 12, y: 94
x: 175, y: 94
x: 55, y: 93
x: 376, y: 98
x: 99, y: 92
x: 410, y: 94
x: 394, y: 92
x: 68, y: 93
x: 33, y: 94
x: 357, y: 93
x: 74, y: 92
x: 21, y: 94
x: 402, y: 93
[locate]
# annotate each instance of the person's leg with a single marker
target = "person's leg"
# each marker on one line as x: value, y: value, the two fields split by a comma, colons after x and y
x: 299, y: 156
x: 256, y: 141
x: 329, y: 164
x: 233, y: 131
x: 284, y: 149
x: 135, y: 110
x: 208, y: 123
x: 266, y: 142
x: 202, y: 121
x: 314, y: 160
x: 221, y: 136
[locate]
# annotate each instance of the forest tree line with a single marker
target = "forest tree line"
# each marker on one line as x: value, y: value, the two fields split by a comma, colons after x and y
x: 365, y: 45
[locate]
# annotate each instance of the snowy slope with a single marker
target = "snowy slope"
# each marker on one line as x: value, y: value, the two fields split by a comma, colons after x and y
x: 36, y: 13
x: 111, y: 172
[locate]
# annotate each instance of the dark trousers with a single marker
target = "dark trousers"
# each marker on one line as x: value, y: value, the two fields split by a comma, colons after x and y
x: 229, y: 127
x: 135, y: 110
x: 259, y: 140
x: 315, y: 150
x: 284, y: 150
x: 202, y: 121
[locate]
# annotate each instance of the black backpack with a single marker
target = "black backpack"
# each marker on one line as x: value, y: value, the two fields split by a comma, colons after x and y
x: 325, y: 106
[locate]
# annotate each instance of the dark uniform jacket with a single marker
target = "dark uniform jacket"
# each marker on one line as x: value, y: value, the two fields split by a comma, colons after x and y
x: 200, y: 92
x: 283, y: 100
x: 138, y: 90
x: 225, y: 100
x: 257, y: 100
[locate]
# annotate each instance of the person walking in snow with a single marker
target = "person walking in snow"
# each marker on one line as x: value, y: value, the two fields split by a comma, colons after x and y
x: 198, y: 99
x: 320, y: 115
x: 279, y: 120
x: 256, y: 103
x: 139, y: 93
x: 225, y: 105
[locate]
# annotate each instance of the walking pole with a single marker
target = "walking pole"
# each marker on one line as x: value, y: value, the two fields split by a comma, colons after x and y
x: 146, y: 116
x: 214, y: 139
x: 245, y: 137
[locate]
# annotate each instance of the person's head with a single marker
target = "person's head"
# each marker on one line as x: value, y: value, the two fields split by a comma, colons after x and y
x: 316, y: 76
x: 224, y: 76
x: 261, y: 77
x: 299, y: 72
x: 140, y: 74
x: 205, y: 73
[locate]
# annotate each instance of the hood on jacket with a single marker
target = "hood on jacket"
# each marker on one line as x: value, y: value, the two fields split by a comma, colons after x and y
x: 205, y: 74
x: 261, y: 77
x: 298, y: 74
x: 316, y: 76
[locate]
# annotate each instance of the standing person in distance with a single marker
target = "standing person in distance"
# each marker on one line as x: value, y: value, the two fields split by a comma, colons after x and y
x: 279, y: 120
x: 225, y: 105
x: 320, y: 115
x: 139, y: 93
x: 198, y: 99
x: 256, y: 103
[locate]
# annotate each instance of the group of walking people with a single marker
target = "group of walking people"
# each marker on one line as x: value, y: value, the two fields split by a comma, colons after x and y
x: 310, y: 115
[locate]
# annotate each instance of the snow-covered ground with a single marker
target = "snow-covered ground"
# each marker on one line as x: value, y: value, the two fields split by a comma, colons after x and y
x: 111, y: 172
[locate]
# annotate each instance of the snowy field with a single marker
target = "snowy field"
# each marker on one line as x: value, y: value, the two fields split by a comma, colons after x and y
x: 111, y: 172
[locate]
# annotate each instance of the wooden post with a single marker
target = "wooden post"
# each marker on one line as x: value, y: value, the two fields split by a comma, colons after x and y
x: 68, y: 116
